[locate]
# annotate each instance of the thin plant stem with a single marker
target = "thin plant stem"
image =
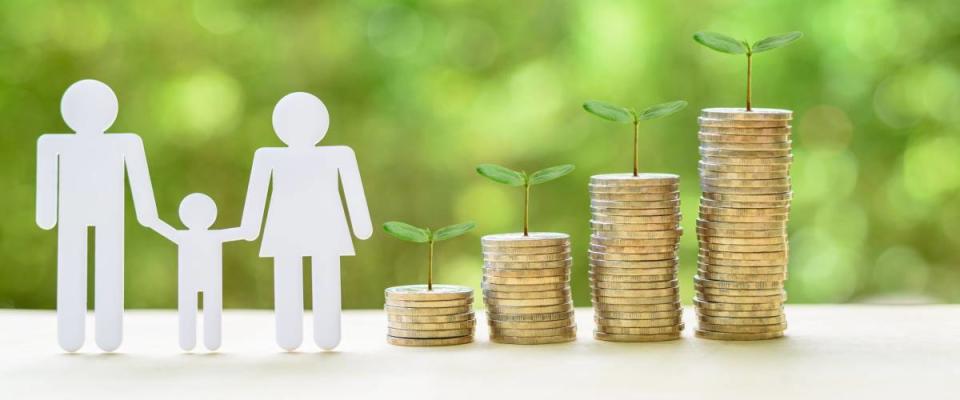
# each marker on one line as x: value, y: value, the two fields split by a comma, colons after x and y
x: 526, y: 209
x: 636, y: 148
x: 749, y: 76
x: 430, y: 267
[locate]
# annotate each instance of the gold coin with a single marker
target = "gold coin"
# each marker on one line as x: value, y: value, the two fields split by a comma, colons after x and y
x: 742, y: 299
x: 638, y: 323
x: 506, y: 332
x: 699, y: 281
x: 745, y: 190
x: 740, y: 212
x: 740, y: 114
x: 750, y: 198
x: 745, y: 219
x: 713, y: 261
x: 421, y: 293
x: 669, y: 196
x: 738, y: 336
x: 633, y: 249
x: 736, y: 292
x: 635, y: 205
x: 756, y: 256
x: 658, y: 272
x: 633, y: 212
x: 487, y: 286
x: 429, y: 342
x: 534, y: 239
x: 527, y: 295
x: 427, y: 311
x: 636, y: 300
x: 755, y: 241
x: 672, y: 255
x: 675, y: 234
x: 554, y: 316
x: 430, y: 304
x: 742, y: 321
x: 645, y: 219
x: 708, y: 174
x: 546, y: 301
x: 746, y: 183
x: 603, y: 188
x: 620, y: 227
x: 730, y: 123
x: 704, y: 326
x: 527, y: 250
x: 659, y: 330
x: 745, y: 154
x: 603, y: 277
x: 532, y: 340
x: 783, y: 130
x: 521, y: 265
x: 783, y: 206
x: 740, y: 314
x: 704, y: 305
x: 780, y: 148
x: 560, y: 323
x: 737, y: 248
x: 703, y: 233
x: 495, y: 257
x: 645, y: 179
x: 642, y: 315
x: 430, y: 319
x: 670, y: 291
x: 410, y: 334
x: 632, y: 285
x: 526, y: 273
x: 744, y: 226
x: 722, y: 269
x: 652, y: 264
x: 610, y: 337
x: 707, y: 137
x: 621, y: 242
x: 432, y: 326
x: 716, y: 167
x: 742, y: 277
x: 526, y: 281
x: 529, y: 310
x: 635, y: 308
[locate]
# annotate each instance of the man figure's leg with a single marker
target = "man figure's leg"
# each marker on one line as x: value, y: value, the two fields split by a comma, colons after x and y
x: 71, y: 285
x: 108, y: 296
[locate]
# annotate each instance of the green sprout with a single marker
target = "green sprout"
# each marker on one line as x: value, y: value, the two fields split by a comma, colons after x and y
x: 410, y: 233
x: 625, y: 115
x: 729, y: 45
x: 510, y: 177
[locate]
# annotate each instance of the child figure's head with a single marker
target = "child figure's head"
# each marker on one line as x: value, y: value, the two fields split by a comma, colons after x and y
x: 198, y: 211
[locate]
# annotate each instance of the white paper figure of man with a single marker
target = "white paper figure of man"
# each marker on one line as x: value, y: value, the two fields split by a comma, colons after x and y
x: 80, y: 184
x: 305, y: 217
x: 199, y: 268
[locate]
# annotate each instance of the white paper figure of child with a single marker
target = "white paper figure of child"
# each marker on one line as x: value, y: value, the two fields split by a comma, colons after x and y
x: 80, y: 184
x: 200, y: 268
x: 305, y: 217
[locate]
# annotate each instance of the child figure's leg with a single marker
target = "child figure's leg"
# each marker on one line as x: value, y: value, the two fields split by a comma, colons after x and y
x: 326, y: 301
x: 212, y: 309
x: 187, y: 304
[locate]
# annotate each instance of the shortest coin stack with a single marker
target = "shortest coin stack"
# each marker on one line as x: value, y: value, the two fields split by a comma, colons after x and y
x: 633, y: 257
x: 417, y: 316
x: 526, y: 288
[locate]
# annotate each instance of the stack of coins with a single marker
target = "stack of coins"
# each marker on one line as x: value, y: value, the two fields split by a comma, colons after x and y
x: 417, y: 316
x: 745, y: 179
x: 633, y: 257
x: 526, y: 288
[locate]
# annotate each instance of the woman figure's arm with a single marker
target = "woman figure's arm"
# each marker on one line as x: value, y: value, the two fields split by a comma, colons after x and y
x: 353, y: 191
x: 256, y: 195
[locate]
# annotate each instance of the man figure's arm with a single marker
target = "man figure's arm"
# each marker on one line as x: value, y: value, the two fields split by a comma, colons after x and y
x: 140, y: 187
x: 48, y: 167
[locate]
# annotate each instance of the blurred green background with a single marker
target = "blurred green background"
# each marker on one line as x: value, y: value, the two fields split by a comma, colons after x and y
x: 424, y: 91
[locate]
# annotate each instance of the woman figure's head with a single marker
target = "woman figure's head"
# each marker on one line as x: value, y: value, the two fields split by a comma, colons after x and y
x: 300, y: 120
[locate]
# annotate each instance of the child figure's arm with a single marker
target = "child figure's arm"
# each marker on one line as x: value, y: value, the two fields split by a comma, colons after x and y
x: 165, y: 230
x: 230, y: 234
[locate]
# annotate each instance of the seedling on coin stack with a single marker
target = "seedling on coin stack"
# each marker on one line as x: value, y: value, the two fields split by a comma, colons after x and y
x: 429, y: 315
x: 633, y: 248
x: 526, y: 275
x: 745, y: 157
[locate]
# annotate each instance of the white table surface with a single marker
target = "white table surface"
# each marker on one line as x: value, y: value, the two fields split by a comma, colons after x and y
x: 837, y: 352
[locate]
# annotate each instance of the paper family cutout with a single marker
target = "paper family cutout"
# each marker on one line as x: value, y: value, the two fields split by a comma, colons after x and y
x: 80, y: 184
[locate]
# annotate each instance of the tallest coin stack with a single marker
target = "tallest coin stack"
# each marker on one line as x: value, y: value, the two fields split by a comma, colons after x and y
x: 745, y: 161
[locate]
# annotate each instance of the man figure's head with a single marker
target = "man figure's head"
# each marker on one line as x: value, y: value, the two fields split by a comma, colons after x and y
x: 89, y: 107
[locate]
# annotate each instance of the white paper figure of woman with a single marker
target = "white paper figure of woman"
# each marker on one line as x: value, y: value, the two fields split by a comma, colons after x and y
x: 305, y: 217
x: 80, y: 184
